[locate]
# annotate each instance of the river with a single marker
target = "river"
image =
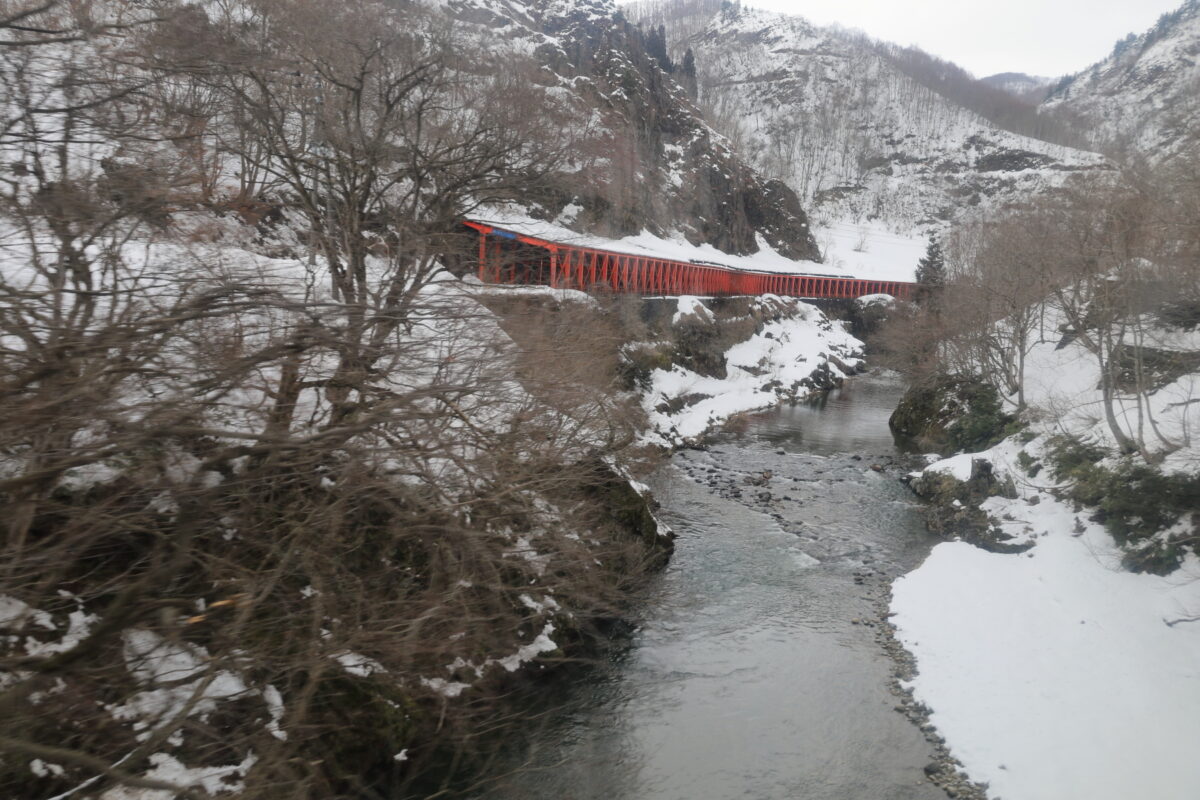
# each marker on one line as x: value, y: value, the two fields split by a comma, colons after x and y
x: 755, y: 670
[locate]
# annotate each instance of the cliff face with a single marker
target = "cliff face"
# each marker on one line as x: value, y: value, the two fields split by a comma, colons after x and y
x: 646, y: 159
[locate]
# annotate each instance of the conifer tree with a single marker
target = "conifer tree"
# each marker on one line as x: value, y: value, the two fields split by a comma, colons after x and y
x: 931, y: 269
x: 689, y: 74
x: 656, y: 46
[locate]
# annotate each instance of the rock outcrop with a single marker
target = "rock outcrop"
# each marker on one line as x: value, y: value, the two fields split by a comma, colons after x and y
x: 645, y: 158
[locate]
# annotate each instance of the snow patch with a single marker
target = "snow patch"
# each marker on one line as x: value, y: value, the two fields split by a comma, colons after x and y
x: 1055, y: 673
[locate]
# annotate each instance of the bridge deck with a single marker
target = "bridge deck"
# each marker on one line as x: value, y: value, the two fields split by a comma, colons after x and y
x: 510, y: 257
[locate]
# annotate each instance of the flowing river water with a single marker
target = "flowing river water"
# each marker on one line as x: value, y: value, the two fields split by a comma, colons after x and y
x: 755, y: 670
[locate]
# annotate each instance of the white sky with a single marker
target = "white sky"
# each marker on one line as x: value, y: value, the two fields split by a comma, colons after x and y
x: 1038, y: 37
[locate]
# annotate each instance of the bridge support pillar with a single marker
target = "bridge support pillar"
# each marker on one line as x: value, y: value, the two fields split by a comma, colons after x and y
x: 482, y: 257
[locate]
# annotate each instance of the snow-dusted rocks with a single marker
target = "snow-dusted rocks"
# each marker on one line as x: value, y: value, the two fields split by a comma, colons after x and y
x: 793, y: 350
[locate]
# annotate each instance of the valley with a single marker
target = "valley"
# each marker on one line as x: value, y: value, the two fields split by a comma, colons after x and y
x: 557, y: 398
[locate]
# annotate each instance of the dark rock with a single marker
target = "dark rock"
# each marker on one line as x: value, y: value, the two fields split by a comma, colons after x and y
x: 950, y: 412
x: 631, y: 511
x: 693, y: 182
x: 955, y: 506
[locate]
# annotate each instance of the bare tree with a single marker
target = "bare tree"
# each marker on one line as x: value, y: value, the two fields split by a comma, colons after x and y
x: 250, y: 517
x: 998, y: 280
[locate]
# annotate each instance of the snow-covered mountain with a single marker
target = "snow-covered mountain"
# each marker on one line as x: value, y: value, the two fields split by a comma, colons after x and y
x: 1020, y: 85
x: 1145, y: 97
x: 644, y: 158
x: 859, y: 129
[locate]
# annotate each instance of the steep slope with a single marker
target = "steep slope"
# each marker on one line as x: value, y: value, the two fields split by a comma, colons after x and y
x: 643, y: 157
x: 1145, y: 96
x: 856, y: 128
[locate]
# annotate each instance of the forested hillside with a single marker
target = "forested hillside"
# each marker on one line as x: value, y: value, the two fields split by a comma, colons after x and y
x: 1144, y: 99
x: 864, y: 129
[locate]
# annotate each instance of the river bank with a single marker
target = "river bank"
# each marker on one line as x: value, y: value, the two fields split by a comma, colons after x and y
x: 1056, y: 630
x: 1053, y: 671
x: 713, y: 359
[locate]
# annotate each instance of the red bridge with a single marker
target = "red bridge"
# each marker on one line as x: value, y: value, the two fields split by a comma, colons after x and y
x: 509, y: 257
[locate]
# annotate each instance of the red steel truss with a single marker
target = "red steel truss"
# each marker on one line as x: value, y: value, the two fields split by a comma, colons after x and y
x: 508, y: 257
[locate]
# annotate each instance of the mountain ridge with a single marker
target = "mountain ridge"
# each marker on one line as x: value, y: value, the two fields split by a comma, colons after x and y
x: 1144, y: 98
x: 861, y: 130
x: 1031, y: 88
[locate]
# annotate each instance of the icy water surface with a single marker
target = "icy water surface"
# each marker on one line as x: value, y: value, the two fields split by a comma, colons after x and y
x: 749, y: 677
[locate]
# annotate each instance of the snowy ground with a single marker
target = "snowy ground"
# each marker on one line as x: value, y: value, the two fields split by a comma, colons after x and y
x: 1055, y: 674
x: 870, y: 250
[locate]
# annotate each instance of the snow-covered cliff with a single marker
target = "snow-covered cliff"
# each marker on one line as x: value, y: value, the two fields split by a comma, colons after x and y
x: 643, y: 156
x: 856, y: 128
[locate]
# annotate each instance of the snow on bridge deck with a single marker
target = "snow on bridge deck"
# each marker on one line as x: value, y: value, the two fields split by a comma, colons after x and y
x: 522, y: 251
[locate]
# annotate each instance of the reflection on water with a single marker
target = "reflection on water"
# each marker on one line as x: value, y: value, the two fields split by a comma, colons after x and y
x: 749, y: 677
x: 852, y: 419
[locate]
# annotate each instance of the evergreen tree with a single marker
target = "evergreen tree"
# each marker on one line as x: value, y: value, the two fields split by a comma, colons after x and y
x: 656, y: 46
x: 1123, y: 45
x: 689, y: 74
x: 931, y: 276
x: 931, y: 269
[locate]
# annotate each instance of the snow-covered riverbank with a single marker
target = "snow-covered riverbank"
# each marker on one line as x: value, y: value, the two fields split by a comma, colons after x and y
x: 793, y: 350
x: 1056, y: 673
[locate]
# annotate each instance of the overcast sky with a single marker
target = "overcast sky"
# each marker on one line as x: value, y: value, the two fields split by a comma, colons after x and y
x: 1038, y: 37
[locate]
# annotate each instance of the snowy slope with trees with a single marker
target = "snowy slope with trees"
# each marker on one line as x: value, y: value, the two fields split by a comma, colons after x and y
x: 1053, y: 670
x: 1056, y: 634
x: 1144, y: 99
x: 859, y: 129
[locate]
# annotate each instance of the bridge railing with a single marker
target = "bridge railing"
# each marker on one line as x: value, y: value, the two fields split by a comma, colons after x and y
x: 510, y: 257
